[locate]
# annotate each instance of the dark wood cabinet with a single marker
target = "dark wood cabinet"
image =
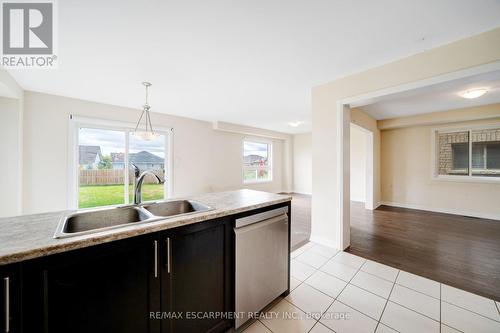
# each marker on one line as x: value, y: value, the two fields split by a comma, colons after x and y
x: 134, y: 285
x: 10, y: 292
x: 107, y: 288
x: 173, y: 281
x: 197, y: 273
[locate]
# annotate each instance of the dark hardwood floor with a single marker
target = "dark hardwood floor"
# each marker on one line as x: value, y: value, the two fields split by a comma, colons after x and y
x: 460, y: 251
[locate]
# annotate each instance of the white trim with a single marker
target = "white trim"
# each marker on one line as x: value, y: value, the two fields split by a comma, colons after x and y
x: 72, y: 163
x: 303, y: 193
x: 169, y: 183
x: 433, y: 154
x: 250, y: 182
x: 443, y: 210
x: 324, y: 241
x: 467, y: 179
x: 343, y: 169
x: 126, y: 180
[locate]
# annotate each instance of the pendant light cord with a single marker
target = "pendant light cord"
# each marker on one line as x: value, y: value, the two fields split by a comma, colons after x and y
x: 145, y: 110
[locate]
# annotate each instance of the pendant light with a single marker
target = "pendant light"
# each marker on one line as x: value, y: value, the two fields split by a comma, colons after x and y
x: 148, y: 133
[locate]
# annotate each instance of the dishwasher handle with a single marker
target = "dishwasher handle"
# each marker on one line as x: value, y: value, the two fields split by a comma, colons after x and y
x: 283, y: 218
x: 256, y: 218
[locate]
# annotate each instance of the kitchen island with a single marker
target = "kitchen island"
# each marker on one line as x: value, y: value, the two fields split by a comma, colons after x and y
x: 128, y: 279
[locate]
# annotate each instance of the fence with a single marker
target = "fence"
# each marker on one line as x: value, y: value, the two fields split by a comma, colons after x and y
x: 113, y: 177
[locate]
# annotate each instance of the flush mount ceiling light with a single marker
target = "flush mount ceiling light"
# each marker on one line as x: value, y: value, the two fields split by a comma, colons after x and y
x: 295, y: 123
x: 474, y: 93
x: 147, y: 134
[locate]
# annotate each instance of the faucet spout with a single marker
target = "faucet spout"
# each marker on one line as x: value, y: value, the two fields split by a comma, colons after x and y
x: 139, y: 180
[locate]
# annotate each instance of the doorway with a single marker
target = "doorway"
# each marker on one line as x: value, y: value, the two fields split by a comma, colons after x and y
x: 361, y: 171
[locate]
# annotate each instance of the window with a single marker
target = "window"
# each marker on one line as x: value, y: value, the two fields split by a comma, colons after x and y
x: 469, y: 153
x: 485, y: 158
x: 460, y: 155
x: 257, y: 161
x: 103, y: 174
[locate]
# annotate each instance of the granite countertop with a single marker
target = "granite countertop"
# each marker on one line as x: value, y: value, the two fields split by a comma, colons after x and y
x: 31, y: 236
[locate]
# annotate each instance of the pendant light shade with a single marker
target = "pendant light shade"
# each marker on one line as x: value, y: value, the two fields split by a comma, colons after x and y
x: 146, y: 133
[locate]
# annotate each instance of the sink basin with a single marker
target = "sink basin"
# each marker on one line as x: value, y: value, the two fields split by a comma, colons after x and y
x: 99, y: 219
x: 177, y: 207
x: 86, y: 222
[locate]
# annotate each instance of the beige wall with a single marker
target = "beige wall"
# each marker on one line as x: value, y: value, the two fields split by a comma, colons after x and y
x: 302, y: 163
x: 369, y: 123
x: 330, y: 222
x: 205, y: 160
x: 359, y: 157
x: 9, y: 165
x: 407, y: 180
x: 401, y: 135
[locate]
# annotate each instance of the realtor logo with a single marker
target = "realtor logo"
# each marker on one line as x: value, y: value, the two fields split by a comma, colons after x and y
x: 28, y: 34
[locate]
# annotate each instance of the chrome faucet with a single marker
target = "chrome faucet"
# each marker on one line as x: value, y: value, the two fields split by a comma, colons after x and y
x: 138, y: 180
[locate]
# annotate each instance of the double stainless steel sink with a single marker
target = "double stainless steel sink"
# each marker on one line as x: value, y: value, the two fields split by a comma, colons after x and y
x: 86, y: 222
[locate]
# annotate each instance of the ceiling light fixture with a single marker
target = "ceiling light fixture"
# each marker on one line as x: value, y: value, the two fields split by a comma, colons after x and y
x: 147, y: 134
x: 474, y: 93
x: 295, y: 123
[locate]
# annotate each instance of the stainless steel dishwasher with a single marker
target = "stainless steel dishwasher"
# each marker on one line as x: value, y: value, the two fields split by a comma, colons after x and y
x: 261, y: 272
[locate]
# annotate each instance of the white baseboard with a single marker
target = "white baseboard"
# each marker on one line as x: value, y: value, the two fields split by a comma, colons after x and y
x: 442, y: 210
x: 305, y: 193
x: 323, y: 241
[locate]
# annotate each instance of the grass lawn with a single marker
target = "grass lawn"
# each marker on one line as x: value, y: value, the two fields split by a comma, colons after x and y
x: 105, y: 195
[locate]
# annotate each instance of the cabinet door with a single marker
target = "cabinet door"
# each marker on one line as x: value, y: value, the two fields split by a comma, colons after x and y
x: 197, y: 279
x: 9, y: 299
x: 110, y: 288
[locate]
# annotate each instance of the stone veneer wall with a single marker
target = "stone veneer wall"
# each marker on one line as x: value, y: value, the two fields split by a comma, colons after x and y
x: 446, y: 140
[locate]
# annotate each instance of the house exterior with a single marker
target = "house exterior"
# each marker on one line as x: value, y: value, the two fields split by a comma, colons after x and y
x: 255, y: 160
x: 144, y: 160
x: 89, y: 157
x: 453, y: 151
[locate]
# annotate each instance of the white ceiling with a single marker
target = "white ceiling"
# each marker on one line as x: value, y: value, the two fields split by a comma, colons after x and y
x: 249, y: 62
x: 435, y: 98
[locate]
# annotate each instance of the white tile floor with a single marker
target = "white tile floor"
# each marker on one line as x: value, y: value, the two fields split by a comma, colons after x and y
x: 339, y: 292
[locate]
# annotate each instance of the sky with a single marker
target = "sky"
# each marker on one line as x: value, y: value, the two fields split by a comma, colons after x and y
x: 255, y: 148
x: 114, y: 142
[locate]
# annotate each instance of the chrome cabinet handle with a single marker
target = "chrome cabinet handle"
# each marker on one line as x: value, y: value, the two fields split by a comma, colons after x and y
x: 169, y: 255
x: 6, y: 286
x: 156, y: 258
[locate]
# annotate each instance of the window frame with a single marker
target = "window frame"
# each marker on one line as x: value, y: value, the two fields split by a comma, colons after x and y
x: 77, y: 122
x: 269, y: 144
x: 457, y: 178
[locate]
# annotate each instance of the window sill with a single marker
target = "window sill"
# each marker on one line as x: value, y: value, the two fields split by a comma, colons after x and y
x: 250, y: 182
x: 467, y: 179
